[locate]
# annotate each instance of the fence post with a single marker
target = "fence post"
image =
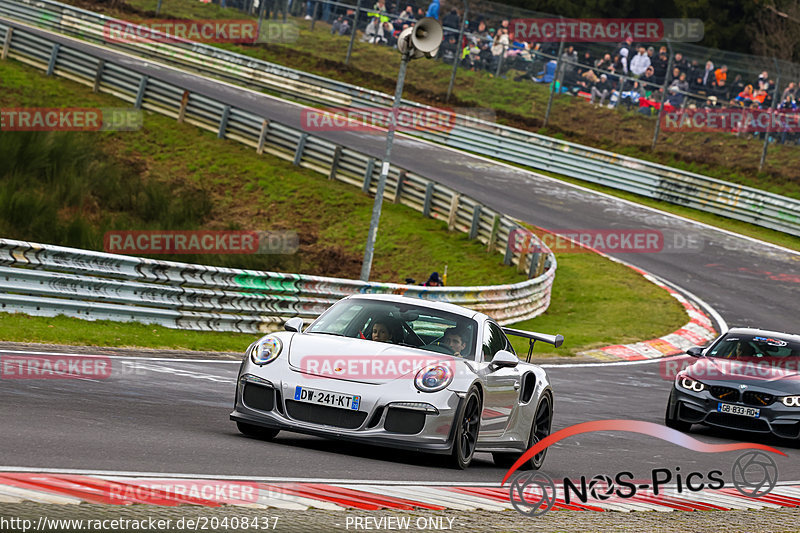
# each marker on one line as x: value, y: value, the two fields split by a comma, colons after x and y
x: 500, y: 61
x: 316, y: 11
x: 368, y: 174
x: 140, y: 94
x: 337, y: 154
x: 53, y: 55
x: 400, y: 182
x: 353, y: 33
x: 553, y: 83
x: 184, y: 104
x: 476, y: 222
x: 493, y: 234
x: 663, y: 97
x: 98, y: 76
x: 426, y: 208
x: 451, y: 219
x: 223, y: 122
x: 7, y: 43
x: 773, y: 108
x: 459, y: 51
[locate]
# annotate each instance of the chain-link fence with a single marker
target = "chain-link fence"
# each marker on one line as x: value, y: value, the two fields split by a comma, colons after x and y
x: 680, y: 88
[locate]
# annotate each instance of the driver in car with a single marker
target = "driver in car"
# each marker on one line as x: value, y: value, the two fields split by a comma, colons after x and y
x: 455, y: 340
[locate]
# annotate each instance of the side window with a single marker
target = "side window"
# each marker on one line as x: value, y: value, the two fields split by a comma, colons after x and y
x: 493, y: 341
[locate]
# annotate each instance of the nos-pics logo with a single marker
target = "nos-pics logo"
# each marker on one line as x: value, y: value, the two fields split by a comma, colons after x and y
x: 754, y: 473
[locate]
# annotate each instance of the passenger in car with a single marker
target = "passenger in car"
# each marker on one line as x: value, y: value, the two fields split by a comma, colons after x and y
x: 387, y: 329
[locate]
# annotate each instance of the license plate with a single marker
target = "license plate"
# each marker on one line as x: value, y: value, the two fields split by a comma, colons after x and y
x: 331, y: 399
x: 752, y: 412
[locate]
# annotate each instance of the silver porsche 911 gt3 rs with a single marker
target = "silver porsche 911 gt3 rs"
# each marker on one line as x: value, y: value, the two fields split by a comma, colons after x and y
x: 400, y: 372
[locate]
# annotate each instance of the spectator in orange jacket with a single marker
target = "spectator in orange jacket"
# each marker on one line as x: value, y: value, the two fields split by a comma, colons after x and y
x: 721, y: 73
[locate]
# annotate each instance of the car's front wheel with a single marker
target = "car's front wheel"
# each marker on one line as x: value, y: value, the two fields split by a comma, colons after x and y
x: 465, y: 437
x: 673, y: 422
x: 540, y: 429
x: 257, y: 432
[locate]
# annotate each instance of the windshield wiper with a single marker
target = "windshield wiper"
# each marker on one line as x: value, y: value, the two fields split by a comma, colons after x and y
x: 328, y: 333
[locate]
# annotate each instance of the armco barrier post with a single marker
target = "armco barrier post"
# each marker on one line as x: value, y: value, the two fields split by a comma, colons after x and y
x: 368, y: 175
x: 182, y: 110
x: 426, y: 208
x: 140, y: 93
x: 493, y: 234
x: 223, y: 122
x: 53, y: 56
x: 451, y: 219
x: 337, y: 155
x: 98, y: 76
x: 476, y: 222
x: 398, y: 192
x: 301, y: 146
x: 509, y: 255
x: 7, y: 43
x: 262, y: 136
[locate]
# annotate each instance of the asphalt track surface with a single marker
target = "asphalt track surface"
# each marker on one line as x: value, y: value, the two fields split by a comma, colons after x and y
x: 172, y: 417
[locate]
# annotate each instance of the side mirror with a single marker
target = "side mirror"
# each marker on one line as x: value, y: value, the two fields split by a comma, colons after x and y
x: 294, y: 324
x: 505, y: 359
x: 695, y: 351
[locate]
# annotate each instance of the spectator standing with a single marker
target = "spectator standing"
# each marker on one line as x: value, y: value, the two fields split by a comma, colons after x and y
x: 449, y: 50
x: 660, y: 65
x: 680, y: 63
x: 640, y: 62
x: 407, y: 15
x: 721, y: 91
x: 709, y: 75
x: 721, y: 74
x: 451, y: 22
x: 789, y: 91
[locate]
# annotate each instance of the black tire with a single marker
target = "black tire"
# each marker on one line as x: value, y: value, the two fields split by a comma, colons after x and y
x: 540, y: 429
x: 674, y: 423
x: 257, y: 432
x: 465, y: 437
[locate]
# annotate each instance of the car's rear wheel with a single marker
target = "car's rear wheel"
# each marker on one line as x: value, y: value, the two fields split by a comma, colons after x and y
x: 540, y: 429
x: 257, y: 432
x: 674, y: 423
x: 465, y: 437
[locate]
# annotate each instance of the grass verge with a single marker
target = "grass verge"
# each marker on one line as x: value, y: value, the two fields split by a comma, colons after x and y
x: 595, y: 301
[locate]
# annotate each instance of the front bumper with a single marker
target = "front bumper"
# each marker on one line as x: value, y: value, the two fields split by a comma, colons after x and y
x: 271, y: 404
x: 701, y: 408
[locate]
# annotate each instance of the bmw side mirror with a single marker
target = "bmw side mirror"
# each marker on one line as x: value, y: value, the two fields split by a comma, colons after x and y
x: 505, y: 359
x: 294, y: 324
x: 695, y: 351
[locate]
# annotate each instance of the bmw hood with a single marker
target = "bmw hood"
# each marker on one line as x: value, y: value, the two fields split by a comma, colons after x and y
x: 777, y: 376
x: 359, y: 360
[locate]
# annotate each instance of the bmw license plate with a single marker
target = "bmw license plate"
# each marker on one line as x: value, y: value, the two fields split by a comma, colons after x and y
x: 331, y: 399
x: 752, y: 412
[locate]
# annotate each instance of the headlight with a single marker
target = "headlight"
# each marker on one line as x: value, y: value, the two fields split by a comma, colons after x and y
x: 691, y: 384
x: 266, y: 350
x: 791, y: 401
x: 433, y: 377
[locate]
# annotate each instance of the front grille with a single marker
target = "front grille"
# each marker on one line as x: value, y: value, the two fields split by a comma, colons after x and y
x: 405, y: 421
x: 725, y: 393
x: 729, y: 420
x: 258, y: 396
x: 759, y: 399
x: 328, y: 416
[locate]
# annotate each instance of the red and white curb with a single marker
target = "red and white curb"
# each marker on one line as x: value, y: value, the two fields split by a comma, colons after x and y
x: 72, y: 489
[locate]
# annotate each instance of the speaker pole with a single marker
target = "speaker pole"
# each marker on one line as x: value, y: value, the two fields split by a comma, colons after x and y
x: 366, y: 266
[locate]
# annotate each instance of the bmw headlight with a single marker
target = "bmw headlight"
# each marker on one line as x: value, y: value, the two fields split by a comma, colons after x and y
x: 691, y: 384
x: 791, y: 401
x: 433, y: 377
x: 266, y: 350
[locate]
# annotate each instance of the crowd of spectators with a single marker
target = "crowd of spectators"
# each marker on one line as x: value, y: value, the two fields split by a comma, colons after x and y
x: 627, y: 74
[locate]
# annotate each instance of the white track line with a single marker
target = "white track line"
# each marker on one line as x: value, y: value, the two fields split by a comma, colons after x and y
x: 138, y: 358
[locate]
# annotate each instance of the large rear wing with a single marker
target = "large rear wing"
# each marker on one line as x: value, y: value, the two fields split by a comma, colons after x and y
x: 532, y: 336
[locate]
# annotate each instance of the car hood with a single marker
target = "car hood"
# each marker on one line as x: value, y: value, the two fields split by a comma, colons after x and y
x: 780, y: 377
x: 359, y: 360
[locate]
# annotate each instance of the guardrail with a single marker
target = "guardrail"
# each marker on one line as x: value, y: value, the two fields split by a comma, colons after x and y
x: 478, y: 136
x: 46, y: 280
x: 96, y: 285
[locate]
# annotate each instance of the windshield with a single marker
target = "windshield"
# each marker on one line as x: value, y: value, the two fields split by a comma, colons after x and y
x: 404, y: 324
x: 739, y: 346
